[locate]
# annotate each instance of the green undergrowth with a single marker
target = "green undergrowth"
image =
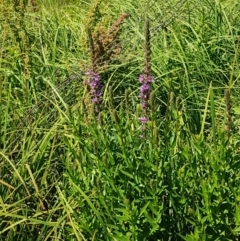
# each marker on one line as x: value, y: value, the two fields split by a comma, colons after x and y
x: 69, y: 174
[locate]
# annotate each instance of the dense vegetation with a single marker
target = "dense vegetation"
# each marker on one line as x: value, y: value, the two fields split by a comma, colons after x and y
x: 90, y: 151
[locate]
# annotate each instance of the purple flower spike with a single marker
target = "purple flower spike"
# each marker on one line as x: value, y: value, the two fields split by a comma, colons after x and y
x: 150, y: 79
x: 145, y: 89
x: 144, y: 105
x: 144, y: 120
x: 146, y: 79
x: 93, y: 80
x: 141, y: 78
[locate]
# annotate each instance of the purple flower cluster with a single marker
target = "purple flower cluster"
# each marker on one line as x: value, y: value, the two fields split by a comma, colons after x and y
x: 93, y: 80
x: 143, y: 120
x: 145, y: 91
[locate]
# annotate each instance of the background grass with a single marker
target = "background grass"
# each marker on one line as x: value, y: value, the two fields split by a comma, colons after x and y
x: 67, y: 175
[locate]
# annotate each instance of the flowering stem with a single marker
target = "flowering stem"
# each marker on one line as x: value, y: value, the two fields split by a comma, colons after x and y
x: 95, y: 85
x: 145, y: 91
x: 146, y: 79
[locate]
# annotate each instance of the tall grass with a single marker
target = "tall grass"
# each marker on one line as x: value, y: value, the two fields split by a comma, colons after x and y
x: 67, y: 173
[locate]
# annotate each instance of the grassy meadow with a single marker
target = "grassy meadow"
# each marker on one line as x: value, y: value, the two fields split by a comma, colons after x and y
x: 119, y: 120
